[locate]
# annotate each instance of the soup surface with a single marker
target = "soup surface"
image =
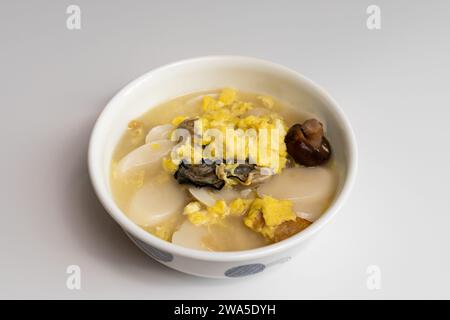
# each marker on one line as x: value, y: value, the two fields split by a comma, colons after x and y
x: 224, y: 170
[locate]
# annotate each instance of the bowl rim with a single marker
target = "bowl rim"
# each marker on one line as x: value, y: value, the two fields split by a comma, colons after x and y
x: 133, y: 229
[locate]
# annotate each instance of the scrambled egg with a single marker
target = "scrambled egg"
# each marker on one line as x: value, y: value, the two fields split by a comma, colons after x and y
x: 169, y: 165
x: 227, y: 96
x: 266, y: 213
x: 198, y: 215
x: 227, y: 112
x: 239, y: 207
x: 177, y: 120
x: 263, y: 215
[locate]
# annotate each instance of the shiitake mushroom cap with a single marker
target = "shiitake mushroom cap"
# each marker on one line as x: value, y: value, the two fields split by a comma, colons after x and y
x: 307, y: 145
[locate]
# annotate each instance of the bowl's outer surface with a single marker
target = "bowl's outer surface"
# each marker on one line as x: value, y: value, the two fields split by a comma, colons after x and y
x: 216, y: 269
x: 247, y: 74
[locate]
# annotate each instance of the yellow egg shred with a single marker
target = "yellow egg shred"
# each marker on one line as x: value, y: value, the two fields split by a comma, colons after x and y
x: 228, y: 112
x: 273, y: 211
x: 198, y: 215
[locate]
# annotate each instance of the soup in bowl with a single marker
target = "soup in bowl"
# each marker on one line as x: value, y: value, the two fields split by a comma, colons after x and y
x: 222, y: 166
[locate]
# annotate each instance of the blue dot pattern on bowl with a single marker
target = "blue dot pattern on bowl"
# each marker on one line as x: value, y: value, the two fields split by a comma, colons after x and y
x: 153, y: 252
x: 244, y: 270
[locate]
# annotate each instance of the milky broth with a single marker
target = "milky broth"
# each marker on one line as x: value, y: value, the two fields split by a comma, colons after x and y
x: 231, y: 234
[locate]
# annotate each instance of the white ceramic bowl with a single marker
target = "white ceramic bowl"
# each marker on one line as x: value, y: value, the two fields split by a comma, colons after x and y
x: 243, y: 73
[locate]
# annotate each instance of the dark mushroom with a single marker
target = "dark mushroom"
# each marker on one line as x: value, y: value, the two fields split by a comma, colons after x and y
x: 241, y: 172
x: 199, y: 175
x: 306, y: 143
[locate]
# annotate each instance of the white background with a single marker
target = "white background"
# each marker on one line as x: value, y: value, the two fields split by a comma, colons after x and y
x: 392, y: 83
